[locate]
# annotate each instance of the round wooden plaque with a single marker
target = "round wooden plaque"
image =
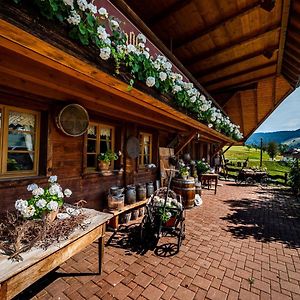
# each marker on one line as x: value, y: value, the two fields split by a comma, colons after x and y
x: 73, y: 120
x: 133, y: 147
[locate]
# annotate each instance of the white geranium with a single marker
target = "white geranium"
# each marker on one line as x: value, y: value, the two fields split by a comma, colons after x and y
x: 74, y: 18
x: 131, y: 48
x: 32, y: 187
x: 193, y: 99
x: 162, y: 76
x: 52, y: 205
x: 114, y: 24
x: 176, y: 88
x: 21, y: 204
x: 28, y: 212
x: 41, y: 203
x: 38, y: 192
x: 105, y: 53
x: 69, y: 3
x: 202, y: 98
x: 103, y: 12
x: 107, y: 41
x: 150, y: 81
x: 146, y: 54
x: 82, y: 4
x: 210, y: 125
x: 60, y: 194
x: 68, y: 193
x: 141, y: 38
x: 92, y: 8
x: 102, y: 34
x: 168, y: 66
x: 54, y: 189
x: 52, y: 179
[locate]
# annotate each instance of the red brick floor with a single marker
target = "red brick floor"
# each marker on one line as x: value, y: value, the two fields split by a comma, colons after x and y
x: 243, y: 243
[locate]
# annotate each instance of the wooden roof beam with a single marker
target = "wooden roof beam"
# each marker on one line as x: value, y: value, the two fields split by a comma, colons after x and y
x: 235, y: 61
x: 240, y: 42
x: 187, y: 39
x: 186, y: 141
x: 178, y: 5
x: 241, y: 84
x: 241, y: 73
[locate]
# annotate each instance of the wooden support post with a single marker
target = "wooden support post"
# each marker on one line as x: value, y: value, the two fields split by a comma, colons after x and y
x: 185, y: 142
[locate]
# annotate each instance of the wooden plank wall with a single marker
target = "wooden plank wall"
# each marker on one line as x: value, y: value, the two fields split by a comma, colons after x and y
x: 65, y: 159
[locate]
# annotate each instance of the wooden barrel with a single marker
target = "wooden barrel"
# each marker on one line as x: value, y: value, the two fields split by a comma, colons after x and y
x: 185, y: 188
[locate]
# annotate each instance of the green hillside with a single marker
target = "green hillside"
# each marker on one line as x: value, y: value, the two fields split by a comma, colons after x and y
x: 239, y: 154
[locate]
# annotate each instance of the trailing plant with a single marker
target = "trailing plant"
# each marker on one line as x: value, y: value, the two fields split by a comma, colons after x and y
x: 90, y: 25
x: 108, y: 156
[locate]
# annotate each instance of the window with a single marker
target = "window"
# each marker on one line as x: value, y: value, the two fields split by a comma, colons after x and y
x: 145, y: 156
x: 100, y: 139
x: 19, y: 142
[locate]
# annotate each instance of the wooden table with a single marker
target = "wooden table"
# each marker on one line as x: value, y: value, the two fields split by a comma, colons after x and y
x: 208, y: 178
x: 17, y: 276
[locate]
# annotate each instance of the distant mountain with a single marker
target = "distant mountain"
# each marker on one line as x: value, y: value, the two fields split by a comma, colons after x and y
x: 292, y: 138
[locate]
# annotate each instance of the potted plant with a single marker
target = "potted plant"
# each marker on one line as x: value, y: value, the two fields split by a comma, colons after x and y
x: 184, y: 172
x: 202, y: 167
x: 104, y: 159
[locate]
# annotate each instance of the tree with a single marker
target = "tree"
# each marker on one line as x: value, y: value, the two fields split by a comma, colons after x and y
x: 272, y: 149
x: 283, y: 148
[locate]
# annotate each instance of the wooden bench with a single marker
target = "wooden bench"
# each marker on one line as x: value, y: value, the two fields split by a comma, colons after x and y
x: 17, y: 276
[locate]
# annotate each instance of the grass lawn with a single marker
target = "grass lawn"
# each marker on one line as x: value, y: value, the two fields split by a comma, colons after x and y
x: 240, y: 154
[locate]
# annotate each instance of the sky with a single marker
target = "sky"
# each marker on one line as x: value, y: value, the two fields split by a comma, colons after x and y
x: 285, y: 117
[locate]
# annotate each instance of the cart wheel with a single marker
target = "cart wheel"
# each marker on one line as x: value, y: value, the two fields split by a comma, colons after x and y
x: 181, y: 235
x: 264, y: 181
x: 250, y: 181
x: 238, y: 180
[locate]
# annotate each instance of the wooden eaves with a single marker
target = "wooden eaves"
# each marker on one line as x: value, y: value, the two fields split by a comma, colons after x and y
x: 27, y: 62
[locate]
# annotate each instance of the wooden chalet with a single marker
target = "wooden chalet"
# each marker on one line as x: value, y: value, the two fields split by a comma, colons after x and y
x: 245, y: 54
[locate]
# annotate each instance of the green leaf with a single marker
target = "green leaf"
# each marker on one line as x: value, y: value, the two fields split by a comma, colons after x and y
x: 90, y: 20
x: 82, y: 28
x: 53, y: 5
x: 83, y: 39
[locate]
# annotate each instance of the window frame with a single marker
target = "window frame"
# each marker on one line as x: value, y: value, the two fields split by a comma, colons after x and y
x: 4, y: 133
x: 100, y: 126
x: 141, y: 143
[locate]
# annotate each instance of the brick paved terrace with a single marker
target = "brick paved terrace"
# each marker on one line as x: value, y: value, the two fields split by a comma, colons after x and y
x: 243, y: 243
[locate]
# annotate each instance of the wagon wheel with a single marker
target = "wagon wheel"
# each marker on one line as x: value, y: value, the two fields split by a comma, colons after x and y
x: 181, y: 235
x: 238, y: 180
x: 250, y: 181
x: 264, y: 181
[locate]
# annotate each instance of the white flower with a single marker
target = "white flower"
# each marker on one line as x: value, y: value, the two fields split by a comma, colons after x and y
x: 176, y: 89
x: 162, y: 76
x: 156, y: 65
x: 146, y: 54
x: 168, y: 66
x: 107, y: 41
x: 92, y: 8
x: 69, y: 3
x: 63, y: 216
x: 28, y: 212
x: 72, y: 211
x: 102, y: 34
x: 54, y: 189
x: 193, y: 99
x: 32, y: 187
x: 38, y: 192
x: 131, y: 48
x: 60, y: 194
x: 74, y: 18
x: 67, y: 193
x: 150, y: 81
x: 105, y: 53
x: 103, y: 12
x: 169, y: 214
x: 52, y: 179
x: 114, y: 24
x: 82, y: 4
x: 41, y: 203
x: 52, y: 205
x: 202, y: 98
x: 210, y: 125
x: 141, y: 38
x: 21, y: 204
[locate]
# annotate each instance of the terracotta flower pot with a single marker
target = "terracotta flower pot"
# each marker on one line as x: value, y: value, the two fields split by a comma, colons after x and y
x: 103, y: 166
x: 171, y: 222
